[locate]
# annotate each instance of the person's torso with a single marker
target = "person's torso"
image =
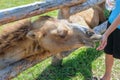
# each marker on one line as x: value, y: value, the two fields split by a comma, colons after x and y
x: 115, y: 13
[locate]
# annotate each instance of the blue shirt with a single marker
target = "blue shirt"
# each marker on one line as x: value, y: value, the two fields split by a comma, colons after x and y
x: 115, y: 12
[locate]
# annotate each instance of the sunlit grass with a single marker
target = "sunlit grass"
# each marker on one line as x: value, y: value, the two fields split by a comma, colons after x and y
x: 13, y: 3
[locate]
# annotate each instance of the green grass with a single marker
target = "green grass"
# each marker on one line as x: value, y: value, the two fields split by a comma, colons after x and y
x: 77, y: 66
x: 13, y: 3
x: 4, y: 4
x: 82, y: 64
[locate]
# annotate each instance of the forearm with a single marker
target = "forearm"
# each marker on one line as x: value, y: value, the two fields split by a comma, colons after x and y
x: 113, y: 26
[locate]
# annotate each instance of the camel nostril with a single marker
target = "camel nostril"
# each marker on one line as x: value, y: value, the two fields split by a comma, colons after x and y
x: 62, y: 33
x: 62, y: 36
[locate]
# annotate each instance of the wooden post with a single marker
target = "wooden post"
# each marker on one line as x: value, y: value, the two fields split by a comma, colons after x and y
x: 64, y: 13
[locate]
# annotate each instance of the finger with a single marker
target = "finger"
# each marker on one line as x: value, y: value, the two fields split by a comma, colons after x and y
x: 99, y: 47
x: 102, y: 45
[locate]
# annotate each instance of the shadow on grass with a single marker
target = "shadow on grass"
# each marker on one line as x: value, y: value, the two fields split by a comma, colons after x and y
x: 79, y: 63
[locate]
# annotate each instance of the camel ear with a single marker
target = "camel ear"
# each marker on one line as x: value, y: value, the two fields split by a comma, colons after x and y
x: 34, y: 35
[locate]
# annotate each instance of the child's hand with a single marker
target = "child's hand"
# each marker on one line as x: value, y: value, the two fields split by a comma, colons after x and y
x: 103, y: 43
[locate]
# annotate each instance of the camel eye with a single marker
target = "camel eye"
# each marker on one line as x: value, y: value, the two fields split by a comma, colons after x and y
x: 89, y: 33
x: 62, y: 36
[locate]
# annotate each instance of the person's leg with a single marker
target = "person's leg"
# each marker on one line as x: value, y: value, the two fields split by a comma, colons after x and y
x: 109, y: 60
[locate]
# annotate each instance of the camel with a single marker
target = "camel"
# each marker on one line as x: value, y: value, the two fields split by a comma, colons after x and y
x: 45, y: 35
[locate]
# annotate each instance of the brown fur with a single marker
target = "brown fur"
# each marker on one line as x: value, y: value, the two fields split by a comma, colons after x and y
x: 45, y: 35
x: 90, y: 17
x: 25, y: 38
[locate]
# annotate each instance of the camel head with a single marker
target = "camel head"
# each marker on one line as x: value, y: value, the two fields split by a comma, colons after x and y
x: 59, y: 35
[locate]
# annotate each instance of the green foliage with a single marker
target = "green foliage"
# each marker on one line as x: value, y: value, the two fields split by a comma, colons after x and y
x: 107, y: 13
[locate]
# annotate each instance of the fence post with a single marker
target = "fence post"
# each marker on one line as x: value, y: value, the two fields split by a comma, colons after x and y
x: 64, y: 13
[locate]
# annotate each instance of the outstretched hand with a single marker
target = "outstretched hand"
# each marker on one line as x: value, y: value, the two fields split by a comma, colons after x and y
x: 103, y: 43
